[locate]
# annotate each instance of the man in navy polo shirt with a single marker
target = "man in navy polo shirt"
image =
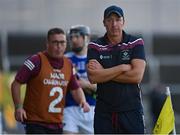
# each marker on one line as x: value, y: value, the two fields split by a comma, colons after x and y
x: 116, y: 62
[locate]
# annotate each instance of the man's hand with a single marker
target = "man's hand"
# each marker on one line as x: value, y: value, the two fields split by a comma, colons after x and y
x: 85, y: 106
x: 94, y: 64
x: 20, y: 114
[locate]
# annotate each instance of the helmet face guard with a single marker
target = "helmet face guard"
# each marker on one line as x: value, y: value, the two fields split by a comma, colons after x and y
x: 79, y: 30
x: 75, y: 34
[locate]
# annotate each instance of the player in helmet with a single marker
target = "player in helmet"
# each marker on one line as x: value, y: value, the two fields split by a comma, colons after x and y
x: 79, y: 31
x: 75, y: 120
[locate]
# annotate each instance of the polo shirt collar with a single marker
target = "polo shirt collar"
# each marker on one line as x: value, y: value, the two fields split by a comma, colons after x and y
x: 124, y: 39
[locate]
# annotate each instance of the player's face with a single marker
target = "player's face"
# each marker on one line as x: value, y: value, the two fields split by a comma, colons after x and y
x: 114, y: 25
x: 77, y: 42
x: 56, y: 45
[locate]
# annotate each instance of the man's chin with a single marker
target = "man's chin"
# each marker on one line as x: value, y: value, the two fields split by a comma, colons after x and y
x: 58, y: 56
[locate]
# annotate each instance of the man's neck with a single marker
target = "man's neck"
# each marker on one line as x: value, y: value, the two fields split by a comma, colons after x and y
x: 52, y: 58
x: 115, y: 39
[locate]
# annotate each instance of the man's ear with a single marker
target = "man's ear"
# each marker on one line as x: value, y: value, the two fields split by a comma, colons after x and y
x: 123, y: 22
x: 104, y: 23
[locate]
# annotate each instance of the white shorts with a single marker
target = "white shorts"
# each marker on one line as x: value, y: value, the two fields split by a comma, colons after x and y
x: 76, y: 121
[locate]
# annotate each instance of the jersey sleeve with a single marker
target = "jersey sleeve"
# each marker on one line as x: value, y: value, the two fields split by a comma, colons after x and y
x: 30, y: 68
x: 138, y: 51
x: 92, y: 52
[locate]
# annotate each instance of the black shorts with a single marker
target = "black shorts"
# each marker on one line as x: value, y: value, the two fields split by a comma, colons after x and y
x: 32, y: 128
x: 129, y: 122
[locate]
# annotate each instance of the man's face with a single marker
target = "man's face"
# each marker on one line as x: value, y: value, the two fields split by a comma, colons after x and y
x: 77, y: 42
x: 56, y: 45
x: 114, y: 25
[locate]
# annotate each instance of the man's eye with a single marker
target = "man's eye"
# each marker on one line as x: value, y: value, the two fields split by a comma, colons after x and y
x: 58, y: 42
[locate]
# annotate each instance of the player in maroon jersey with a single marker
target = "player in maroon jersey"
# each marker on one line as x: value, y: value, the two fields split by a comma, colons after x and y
x: 47, y: 76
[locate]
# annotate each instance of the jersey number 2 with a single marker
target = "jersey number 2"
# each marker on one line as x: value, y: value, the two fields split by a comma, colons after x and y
x: 52, y: 105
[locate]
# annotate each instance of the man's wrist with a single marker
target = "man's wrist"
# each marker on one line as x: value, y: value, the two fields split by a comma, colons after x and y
x: 18, y: 106
x: 82, y: 104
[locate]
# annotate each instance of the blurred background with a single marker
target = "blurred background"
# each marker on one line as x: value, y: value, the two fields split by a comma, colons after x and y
x: 24, y: 25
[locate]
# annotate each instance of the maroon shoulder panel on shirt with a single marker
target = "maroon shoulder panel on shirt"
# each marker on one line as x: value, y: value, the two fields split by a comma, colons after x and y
x: 32, y: 66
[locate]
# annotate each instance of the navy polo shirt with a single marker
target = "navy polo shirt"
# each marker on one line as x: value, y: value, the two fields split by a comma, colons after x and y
x: 114, y: 96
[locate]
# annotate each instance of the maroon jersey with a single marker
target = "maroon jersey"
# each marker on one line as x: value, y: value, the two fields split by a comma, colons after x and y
x: 32, y: 66
x: 31, y: 69
x: 45, y: 93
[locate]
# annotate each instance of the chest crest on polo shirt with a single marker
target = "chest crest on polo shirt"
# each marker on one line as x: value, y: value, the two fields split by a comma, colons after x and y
x: 125, y: 55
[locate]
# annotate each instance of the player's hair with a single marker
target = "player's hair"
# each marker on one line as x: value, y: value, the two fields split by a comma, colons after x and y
x: 53, y: 31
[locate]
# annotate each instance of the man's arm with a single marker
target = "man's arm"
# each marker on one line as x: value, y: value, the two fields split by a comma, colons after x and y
x: 135, y: 75
x: 87, y: 86
x: 97, y: 74
x: 20, y: 113
x: 79, y: 97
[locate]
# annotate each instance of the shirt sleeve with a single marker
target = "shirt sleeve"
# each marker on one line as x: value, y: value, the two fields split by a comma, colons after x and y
x: 92, y: 53
x: 29, y: 69
x: 138, y: 51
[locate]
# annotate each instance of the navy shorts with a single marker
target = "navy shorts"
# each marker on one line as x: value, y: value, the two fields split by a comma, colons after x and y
x: 129, y: 122
x: 39, y: 129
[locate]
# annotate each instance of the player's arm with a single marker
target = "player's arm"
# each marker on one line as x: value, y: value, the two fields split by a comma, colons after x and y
x: 15, y: 89
x: 20, y: 113
x: 87, y: 86
x: 30, y: 68
x: 134, y: 75
x: 78, y: 93
x: 97, y: 74
x: 79, y: 97
x: 138, y: 63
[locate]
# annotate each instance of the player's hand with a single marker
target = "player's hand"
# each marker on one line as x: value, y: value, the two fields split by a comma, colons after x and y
x: 20, y: 114
x: 85, y: 106
x: 94, y: 64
